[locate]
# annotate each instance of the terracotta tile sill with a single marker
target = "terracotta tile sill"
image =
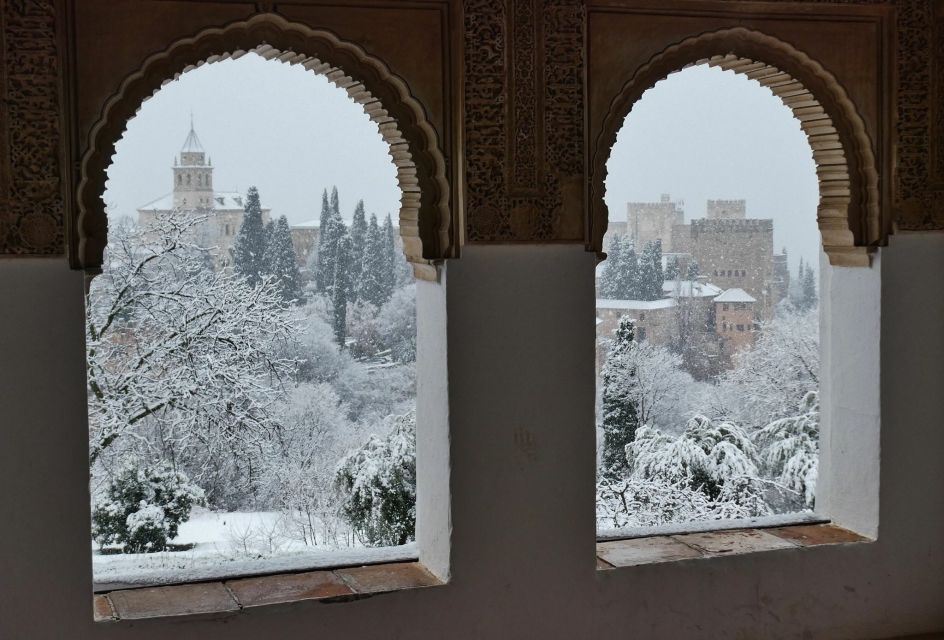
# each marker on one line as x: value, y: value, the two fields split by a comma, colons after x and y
x: 613, y: 554
x: 236, y: 595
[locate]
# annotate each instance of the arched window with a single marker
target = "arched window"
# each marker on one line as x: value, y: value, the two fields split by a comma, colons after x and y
x: 698, y: 415
x: 274, y: 422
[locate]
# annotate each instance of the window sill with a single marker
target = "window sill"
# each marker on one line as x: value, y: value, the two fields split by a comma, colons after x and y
x: 239, y: 594
x: 613, y: 554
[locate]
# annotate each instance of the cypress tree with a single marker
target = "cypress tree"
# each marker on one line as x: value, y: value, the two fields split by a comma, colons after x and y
x: 620, y: 413
x: 324, y: 258
x: 249, y: 249
x: 358, y: 239
x: 373, y: 271
x: 281, y: 261
x: 331, y: 231
x: 389, y: 258
x: 342, y: 287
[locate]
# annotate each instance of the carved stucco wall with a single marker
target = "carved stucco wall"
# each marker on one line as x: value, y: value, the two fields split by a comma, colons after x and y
x: 524, y: 114
x: 524, y: 120
x: 31, y: 185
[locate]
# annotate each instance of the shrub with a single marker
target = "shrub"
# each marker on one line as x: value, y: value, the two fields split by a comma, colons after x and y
x: 143, y: 508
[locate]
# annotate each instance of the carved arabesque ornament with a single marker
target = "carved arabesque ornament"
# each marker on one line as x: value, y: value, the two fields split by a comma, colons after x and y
x: 425, y: 218
x: 524, y: 110
x: 848, y: 214
x: 31, y: 202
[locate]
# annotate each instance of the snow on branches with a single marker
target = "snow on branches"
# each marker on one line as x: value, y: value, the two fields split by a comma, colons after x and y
x: 178, y: 351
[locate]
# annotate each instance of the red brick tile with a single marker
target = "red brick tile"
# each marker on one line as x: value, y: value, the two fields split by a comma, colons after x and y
x: 718, y: 543
x: 625, y: 553
x: 157, y: 602
x: 314, y: 585
x: 388, y: 577
x: 809, y: 535
x: 101, y: 609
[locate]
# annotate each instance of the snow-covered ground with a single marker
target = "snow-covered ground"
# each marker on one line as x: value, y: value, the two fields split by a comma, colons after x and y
x: 233, y: 544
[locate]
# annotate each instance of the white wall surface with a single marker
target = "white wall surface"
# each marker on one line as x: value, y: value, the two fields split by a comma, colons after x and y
x: 520, y: 338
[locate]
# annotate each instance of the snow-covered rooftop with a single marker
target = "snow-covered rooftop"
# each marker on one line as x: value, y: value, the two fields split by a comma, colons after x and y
x: 222, y: 200
x: 635, y: 305
x: 308, y: 224
x: 735, y: 295
x: 690, y: 288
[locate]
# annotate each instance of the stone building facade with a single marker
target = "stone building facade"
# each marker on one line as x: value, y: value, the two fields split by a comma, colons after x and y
x: 731, y: 250
x: 193, y: 194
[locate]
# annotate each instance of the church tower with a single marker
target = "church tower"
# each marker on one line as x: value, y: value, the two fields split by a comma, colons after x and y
x: 193, y: 175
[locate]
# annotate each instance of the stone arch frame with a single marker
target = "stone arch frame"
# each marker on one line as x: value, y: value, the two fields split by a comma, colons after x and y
x: 425, y: 218
x: 849, y: 215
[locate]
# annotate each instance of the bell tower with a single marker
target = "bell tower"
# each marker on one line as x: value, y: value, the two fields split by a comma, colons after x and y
x: 193, y: 175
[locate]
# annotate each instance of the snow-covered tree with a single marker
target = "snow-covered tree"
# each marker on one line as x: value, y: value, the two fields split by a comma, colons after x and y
x: 331, y: 232
x: 282, y: 263
x: 358, y: 241
x: 770, y: 380
x: 620, y: 405
x: 714, y: 457
x: 789, y: 451
x: 300, y: 471
x: 377, y: 483
x: 651, y: 277
x: 808, y: 297
x: 610, y: 278
x: 181, y: 358
x: 249, y: 248
x: 634, y: 502
x: 390, y: 257
x: 374, y: 275
x: 692, y: 273
x: 397, y: 324
x: 342, y: 287
x: 324, y: 259
x: 672, y: 269
x: 143, y: 508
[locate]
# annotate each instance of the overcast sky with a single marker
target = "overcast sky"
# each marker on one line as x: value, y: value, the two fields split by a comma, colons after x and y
x: 701, y: 133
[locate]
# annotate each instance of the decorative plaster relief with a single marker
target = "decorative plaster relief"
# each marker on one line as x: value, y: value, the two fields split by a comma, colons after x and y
x: 524, y: 62
x: 31, y: 203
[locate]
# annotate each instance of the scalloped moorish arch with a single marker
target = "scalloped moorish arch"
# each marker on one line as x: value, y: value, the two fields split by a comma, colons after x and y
x: 850, y: 220
x: 426, y: 225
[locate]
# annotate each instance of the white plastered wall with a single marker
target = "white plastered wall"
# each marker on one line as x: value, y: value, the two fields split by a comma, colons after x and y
x: 520, y: 473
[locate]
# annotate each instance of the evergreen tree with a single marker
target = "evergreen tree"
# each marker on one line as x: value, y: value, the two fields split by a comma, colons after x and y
x: 610, y: 278
x: 628, y: 285
x: 374, y: 269
x: 389, y: 258
x: 281, y: 261
x: 620, y: 413
x: 808, y: 296
x: 324, y: 257
x: 672, y: 271
x: 651, y: 276
x: 249, y: 249
x: 332, y: 230
x: 692, y: 270
x: 342, y: 287
x: 358, y: 239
